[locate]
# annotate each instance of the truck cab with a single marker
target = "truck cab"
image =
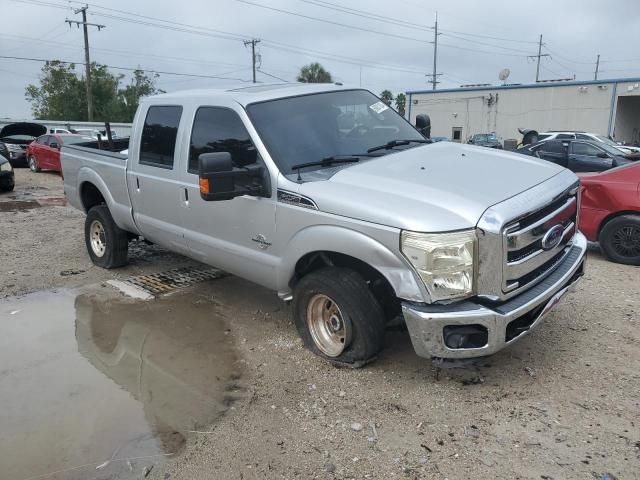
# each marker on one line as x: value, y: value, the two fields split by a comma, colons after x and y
x: 329, y: 197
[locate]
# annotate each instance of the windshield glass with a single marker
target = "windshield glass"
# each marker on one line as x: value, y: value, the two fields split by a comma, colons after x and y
x: 310, y: 128
x: 606, y: 140
x: 610, y: 150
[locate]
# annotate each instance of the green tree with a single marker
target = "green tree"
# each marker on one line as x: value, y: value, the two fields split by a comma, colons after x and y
x: 314, y: 73
x: 61, y: 94
x: 401, y: 103
x: 387, y: 97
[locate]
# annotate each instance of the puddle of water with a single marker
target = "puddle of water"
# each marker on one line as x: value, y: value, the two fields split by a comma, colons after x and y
x: 93, y: 378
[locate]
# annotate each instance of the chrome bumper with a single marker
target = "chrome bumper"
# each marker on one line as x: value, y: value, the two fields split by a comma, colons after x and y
x: 426, y: 322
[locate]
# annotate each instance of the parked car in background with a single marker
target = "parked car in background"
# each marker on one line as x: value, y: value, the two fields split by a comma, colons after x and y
x: 14, y: 139
x: 485, y: 140
x: 44, y: 152
x: 610, y: 212
x: 577, y: 155
x: 7, y: 180
x: 593, y: 137
x: 440, y: 139
x: 61, y: 131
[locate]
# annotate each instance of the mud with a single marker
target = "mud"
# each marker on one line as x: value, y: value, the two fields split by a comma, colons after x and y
x: 95, y: 384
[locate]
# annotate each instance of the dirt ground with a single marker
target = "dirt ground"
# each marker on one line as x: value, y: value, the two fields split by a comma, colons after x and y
x: 564, y: 403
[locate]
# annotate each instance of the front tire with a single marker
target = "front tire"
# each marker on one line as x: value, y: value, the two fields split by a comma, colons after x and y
x: 338, y: 317
x: 107, y: 244
x: 620, y: 239
x: 33, y: 164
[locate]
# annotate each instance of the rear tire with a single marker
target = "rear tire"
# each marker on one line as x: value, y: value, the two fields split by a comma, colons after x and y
x: 33, y: 164
x: 620, y: 239
x: 338, y: 317
x: 107, y: 244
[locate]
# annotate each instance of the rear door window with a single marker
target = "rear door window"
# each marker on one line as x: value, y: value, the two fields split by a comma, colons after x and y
x: 581, y: 148
x: 158, y: 141
x: 218, y: 129
x: 553, y: 146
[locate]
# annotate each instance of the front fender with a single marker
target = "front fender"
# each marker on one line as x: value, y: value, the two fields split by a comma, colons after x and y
x: 330, y: 238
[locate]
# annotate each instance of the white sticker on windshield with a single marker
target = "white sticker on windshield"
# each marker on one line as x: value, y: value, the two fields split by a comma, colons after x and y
x: 379, y: 107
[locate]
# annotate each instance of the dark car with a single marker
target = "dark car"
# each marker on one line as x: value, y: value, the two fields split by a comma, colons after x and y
x: 577, y: 155
x: 485, y: 140
x: 14, y: 139
x: 7, y: 180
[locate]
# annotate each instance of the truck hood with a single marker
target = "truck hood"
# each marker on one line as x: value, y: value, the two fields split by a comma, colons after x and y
x: 23, y: 128
x: 432, y: 188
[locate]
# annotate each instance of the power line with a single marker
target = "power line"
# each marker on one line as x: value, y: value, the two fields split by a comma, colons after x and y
x: 331, y: 22
x: 131, y: 69
x: 273, y: 76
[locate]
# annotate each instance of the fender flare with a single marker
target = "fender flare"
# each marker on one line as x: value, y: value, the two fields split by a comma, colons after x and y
x: 122, y: 214
x: 330, y: 238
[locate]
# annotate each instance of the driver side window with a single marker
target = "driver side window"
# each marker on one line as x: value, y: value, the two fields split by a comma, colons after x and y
x: 580, y: 148
x: 217, y: 129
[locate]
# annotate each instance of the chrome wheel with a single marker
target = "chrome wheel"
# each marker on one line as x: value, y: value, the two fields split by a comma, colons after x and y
x: 97, y: 238
x: 33, y: 164
x: 326, y: 325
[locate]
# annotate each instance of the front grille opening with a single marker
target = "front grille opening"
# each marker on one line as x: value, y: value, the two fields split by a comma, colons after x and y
x: 465, y: 336
x: 541, y: 270
x: 539, y: 214
x: 517, y: 327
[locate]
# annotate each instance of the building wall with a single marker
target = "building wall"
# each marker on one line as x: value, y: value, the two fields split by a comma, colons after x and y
x: 504, y: 110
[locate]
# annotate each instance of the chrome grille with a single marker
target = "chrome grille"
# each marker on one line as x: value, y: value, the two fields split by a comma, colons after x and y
x: 529, y: 252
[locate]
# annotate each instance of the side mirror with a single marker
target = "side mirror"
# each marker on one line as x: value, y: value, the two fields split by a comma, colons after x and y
x: 603, y: 155
x: 219, y: 179
x: 54, y: 145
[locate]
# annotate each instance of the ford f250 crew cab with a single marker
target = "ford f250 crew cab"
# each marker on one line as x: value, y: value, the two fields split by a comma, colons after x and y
x: 329, y: 197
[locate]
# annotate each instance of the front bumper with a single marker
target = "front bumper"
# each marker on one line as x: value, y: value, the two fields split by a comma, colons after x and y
x: 505, y: 323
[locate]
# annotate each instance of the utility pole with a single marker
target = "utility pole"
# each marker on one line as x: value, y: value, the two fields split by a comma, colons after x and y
x: 539, y: 56
x: 595, y: 77
x: 434, y: 76
x: 253, y: 42
x: 87, y: 61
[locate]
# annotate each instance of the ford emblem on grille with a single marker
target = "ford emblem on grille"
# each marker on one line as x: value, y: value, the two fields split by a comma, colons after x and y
x: 553, y: 237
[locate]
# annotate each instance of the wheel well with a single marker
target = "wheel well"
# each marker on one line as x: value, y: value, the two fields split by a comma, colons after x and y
x: 90, y: 196
x: 377, y: 282
x: 615, y: 215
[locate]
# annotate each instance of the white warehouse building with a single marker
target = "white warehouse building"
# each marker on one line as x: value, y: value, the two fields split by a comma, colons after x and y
x: 609, y: 107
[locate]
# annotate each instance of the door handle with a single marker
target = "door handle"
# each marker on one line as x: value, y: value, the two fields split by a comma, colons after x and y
x: 186, y: 195
x: 137, y: 183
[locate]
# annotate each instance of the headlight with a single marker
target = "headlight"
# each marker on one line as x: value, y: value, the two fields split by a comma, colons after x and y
x: 13, y: 148
x: 5, y: 167
x: 444, y: 261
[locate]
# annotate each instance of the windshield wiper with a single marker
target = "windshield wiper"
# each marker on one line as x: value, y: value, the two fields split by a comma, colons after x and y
x: 328, y: 161
x: 395, y: 143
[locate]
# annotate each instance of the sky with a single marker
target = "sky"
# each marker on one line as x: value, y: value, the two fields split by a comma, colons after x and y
x: 375, y: 44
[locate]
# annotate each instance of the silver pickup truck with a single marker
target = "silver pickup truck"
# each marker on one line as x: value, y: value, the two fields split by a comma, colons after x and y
x: 329, y: 197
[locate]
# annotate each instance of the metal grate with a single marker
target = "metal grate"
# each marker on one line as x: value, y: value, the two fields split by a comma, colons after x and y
x: 166, y: 282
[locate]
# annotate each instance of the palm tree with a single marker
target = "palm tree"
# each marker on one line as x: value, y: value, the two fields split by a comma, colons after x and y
x: 401, y: 103
x: 314, y: 73
x: 387, y: 97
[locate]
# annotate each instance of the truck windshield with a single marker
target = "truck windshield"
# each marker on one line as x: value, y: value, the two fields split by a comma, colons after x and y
x: 309, y: 128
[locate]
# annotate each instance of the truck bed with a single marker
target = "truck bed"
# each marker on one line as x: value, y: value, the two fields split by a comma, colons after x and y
x: 85, y: 164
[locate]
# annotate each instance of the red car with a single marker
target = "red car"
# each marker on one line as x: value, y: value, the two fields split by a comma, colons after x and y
x: 44, y: 152
x: 610, y: 212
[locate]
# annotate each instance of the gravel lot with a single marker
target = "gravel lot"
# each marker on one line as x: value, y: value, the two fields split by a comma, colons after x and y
x: 563, y: 403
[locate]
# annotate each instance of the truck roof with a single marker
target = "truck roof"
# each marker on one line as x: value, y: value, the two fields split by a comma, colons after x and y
x: 245, y: 94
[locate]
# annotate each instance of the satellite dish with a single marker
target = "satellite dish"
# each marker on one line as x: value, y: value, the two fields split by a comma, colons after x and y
x: 504, y: 74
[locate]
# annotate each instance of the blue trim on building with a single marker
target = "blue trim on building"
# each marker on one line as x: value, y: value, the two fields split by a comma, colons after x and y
x: 613, y: 81
x: 612, y: 108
